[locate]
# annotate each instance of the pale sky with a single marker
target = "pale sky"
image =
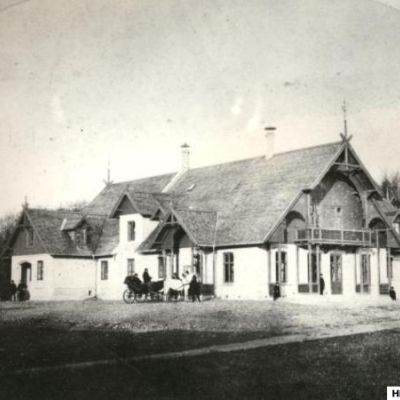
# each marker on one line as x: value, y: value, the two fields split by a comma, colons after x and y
x: 84, y: 82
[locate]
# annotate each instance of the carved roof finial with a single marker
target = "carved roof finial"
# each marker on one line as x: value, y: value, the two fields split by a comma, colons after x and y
x: 344, y: 108
x: 108, y: 180
x: 345, y: 136
x: 25, y: 204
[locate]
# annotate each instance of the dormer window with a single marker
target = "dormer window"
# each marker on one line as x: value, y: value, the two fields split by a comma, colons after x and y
x: 78, y: 237
x: 84, y: 236
x: 131, y: 231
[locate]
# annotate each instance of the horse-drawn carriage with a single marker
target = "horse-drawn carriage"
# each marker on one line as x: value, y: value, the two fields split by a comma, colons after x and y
x: 152, y: 291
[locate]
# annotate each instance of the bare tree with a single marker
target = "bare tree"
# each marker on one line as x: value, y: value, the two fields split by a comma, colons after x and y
x: 8, y: 223
x: 77, y: 205
x: 390, y: 186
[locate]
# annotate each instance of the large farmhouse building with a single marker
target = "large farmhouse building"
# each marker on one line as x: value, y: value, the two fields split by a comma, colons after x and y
x: 240, y: 226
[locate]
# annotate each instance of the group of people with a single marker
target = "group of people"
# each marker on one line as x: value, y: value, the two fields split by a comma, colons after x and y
x: 191, y: 286
x: 19, y: 292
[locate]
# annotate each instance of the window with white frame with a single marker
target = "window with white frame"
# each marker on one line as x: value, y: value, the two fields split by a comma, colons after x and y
x: 389, y: 267
x: 365, y: 268
x: 281, y: 266
x: 104, y: 270
x: 131, y: 266
x: 229, y: 271
x: 40, y: 271
x: 131, y: 231
x: 162, y: 272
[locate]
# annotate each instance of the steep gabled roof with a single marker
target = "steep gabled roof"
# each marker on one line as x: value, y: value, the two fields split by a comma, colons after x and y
x: 47, y: 224
x: 251, y: 195
x: 199, y: 225
x: 142, y: 202
x: 104, y: 202
x: 109, y: 238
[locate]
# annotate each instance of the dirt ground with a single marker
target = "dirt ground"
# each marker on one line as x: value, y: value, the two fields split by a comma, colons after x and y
x: 43, y: 334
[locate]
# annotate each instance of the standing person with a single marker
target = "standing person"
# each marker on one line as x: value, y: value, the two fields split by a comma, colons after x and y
x: 194, y: 289
x: 392, y: 293
x: 321, y: 284
x: 146, y: 282
x: 146, y: 277
x: 21, y: 291
x: 13, y: 291
x: 276, y: 292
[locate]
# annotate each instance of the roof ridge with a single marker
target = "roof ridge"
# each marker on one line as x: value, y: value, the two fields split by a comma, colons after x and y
x: 263, y: 157
x: 127, y: 182
x: 338, y: 142
x: 54, y: 210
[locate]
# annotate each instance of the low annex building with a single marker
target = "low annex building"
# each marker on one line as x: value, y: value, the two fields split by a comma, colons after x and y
x: 241, y: 226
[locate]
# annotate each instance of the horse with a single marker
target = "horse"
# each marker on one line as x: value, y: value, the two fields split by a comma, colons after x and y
x: 173, y: 288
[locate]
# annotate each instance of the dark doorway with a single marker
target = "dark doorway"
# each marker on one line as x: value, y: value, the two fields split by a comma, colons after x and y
x: 26, y: 273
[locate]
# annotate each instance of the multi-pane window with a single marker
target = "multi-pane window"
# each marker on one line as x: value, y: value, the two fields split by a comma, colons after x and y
x: 131, y: 266
x: 228, y: 268
x: 161, y: 268
x: 336, y: 268
x: 365, y: 268
x: 196, y: 261
x: 281, y: 266
x: 29, y: 237
x: 313, y: 268
x: 104, y: 271
x: 40, y: 270
x: 131, y: 231
x: 389, y: 267
x: 84, y: 236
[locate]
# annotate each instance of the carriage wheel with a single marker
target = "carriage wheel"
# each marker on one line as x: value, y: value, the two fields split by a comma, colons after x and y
x: 129, y: 296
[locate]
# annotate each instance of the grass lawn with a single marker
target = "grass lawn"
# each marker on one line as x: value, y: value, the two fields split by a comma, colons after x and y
x: 42, y: 334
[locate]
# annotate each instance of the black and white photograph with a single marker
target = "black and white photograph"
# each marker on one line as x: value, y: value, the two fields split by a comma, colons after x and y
x: 199, y: 199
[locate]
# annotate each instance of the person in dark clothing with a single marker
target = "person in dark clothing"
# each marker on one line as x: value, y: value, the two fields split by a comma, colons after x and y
x: 146, y: 282
x: 194, y: 289
x: 392, y: 293
x: 321, y: 284
x: 136, y: 280
x: 276, y: 292
x: 146, y: 276
x: 22, y: 290
x: 13, y: 291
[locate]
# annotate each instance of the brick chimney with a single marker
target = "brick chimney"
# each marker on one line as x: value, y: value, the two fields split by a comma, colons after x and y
x: 269, y: 141
x: 185, y: 153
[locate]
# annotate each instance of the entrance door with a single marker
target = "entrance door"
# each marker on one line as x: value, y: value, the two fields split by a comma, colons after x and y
x: 336, y: 274
x: 26, y: 273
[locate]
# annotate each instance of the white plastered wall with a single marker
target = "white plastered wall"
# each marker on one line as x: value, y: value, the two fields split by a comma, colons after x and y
x: 250, y: 274
x: 39, y: 289
x: 113, y: 287
x: 63, y: 278
x: 289, y: 288
x: 73, y: 278
x: 396, y: 275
